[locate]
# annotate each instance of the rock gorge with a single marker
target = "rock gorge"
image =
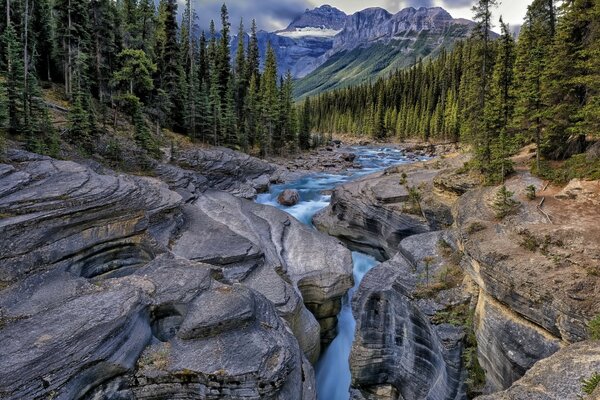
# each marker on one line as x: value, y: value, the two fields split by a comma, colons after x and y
x: 468, y: 304
x: 116, y: 286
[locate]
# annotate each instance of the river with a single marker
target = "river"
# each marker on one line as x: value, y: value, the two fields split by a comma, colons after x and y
x: 332, y: 369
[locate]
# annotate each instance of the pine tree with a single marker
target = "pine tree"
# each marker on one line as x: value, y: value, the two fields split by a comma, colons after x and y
x: 241, y: 86
x: 223, y: 58
x: 568, y: 81
x: 270, y: 139
x: 501, y: 107
x: 484, y: 62
x: 72, y: 36
x: 170, y: 71
x: 15, y: 78
x: 253, y: 63
x: 81, y: 117
x: 42, y: 38
x: 531, y: 64
x: 105, y: 45
x: 288, y: 124
x: 3, y: 114
x: 380, y: 130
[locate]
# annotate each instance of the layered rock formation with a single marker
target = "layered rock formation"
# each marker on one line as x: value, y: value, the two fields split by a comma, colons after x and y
x: 113, y: 287
x: 537, y: 271
x: 375, y: 213
x: 190, y: 172
x: 532, y: 278
x: 398, y: 351
x: 559, y: 377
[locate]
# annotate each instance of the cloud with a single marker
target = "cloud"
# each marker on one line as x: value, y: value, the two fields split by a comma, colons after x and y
x: 269, y: 14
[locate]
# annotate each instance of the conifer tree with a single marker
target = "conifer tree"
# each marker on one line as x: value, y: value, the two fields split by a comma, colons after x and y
x: 570, y: 80
x: 253, y: 63
x: 270, y: 139
x: 501, y: 106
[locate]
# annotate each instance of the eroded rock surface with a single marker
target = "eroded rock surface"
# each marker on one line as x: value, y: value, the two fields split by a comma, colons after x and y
x: 401, y: 350
x: 375, y: 213
x: 531, y: 278
x: 194, y: 171
x: 537, y: 270
x: 113, y: 286
x: 558, y: 377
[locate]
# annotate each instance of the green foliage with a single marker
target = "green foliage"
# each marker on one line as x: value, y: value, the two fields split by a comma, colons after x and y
x: 594, y: 328
x: 576, y: 167
x: 589, y: 385
x: 531, y: 192
x: 363, y: 64
x: 504, y: 203
x: 136, y: 71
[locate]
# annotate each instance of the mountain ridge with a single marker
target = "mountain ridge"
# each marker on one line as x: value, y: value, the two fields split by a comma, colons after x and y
x: 325, y: 48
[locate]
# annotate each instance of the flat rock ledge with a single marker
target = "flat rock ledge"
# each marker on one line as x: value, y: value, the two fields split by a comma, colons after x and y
x: 115, y: 286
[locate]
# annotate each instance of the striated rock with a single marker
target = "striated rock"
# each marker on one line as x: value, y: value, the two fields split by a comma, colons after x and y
x: 558, y: 377
x: 219, y: 168
x: 94, y: 304
x: 508, y: 345
x: 289, y: 197
x: 536, y: 271
x: 398, y: 351
x: 375, y: 213
x: 59, y: 214
x: 267, y: 250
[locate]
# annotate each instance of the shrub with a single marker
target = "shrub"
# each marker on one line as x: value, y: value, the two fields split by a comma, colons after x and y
x: 594, y: 328
x: 475, y: 227
x: 531, y: 192
x: 504, y: 203
x: 590, y: 385
x: 403, y: 178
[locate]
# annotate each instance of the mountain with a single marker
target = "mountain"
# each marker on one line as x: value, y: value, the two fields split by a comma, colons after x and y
x: 325, y: 49
x: 374, y: 43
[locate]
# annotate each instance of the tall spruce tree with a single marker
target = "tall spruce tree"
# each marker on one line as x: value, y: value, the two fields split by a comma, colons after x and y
x: 501, y: 106
x: 270, y: 138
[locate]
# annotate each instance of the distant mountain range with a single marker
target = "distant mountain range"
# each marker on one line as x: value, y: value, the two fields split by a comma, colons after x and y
x: 326, y: 49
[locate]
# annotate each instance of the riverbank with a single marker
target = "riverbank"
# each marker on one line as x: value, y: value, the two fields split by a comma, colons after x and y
x: 471, y: 299
x: 340, y: 156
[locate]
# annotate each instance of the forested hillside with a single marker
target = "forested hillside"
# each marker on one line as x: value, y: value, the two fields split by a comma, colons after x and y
x: 495, y: 94
x: 129, y: 58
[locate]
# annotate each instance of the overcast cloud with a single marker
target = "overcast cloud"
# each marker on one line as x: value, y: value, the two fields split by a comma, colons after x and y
x: 277, y: 14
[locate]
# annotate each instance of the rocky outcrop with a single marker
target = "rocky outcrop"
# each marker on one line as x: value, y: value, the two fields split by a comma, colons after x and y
x: 266, y: 249
x: 532, y: 277
x: 377, y: 25
x: 536, y: 273
x: 403, y: 347
x: 375, y: 213
x: 113, y: 287
x: 559, y: 377
x: 194, y: 171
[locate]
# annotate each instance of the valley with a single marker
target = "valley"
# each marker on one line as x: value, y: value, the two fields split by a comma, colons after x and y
x: 343, y: 203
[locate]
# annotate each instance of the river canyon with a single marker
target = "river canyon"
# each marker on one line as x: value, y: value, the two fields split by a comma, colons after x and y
x: 390, y: 280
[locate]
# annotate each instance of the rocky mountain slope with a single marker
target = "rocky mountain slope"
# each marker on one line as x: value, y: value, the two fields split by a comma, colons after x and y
x: 325, y: 49
x: 118, y: 286
x: 470, y: 301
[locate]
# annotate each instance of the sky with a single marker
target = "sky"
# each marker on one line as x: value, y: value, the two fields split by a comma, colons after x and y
x: 277, y: 14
